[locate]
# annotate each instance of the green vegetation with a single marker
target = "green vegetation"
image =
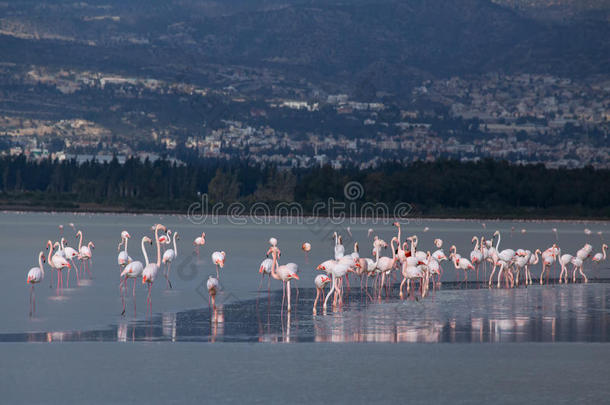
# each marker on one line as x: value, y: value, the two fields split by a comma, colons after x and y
x: 443, y: 188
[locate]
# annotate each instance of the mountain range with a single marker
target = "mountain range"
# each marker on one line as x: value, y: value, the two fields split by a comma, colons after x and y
x: 337, y: 45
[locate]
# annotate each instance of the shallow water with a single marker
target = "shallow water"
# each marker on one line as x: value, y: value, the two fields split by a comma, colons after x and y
x: 454, y: 313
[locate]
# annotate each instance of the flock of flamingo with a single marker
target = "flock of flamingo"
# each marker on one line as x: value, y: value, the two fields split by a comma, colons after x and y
x: 420, y: 267
x: 415, y: 268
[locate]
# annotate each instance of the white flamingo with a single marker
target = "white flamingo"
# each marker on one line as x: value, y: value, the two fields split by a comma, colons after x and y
x: 219, y: 260
x: 320, y: 282
x: 169, y: 256
x: 149, y: 274
x: 133, y: 270
x: 35, y: 276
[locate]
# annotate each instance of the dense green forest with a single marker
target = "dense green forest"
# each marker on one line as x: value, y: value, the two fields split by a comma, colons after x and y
x: 441, y: 188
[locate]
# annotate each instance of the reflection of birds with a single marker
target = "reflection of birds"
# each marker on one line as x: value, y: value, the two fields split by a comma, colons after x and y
x: 35, y: 276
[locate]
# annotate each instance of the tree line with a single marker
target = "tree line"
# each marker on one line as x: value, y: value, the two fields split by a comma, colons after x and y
x: 442, y: 188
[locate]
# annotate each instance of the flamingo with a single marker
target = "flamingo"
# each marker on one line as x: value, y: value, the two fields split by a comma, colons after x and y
x: 133, y: 270
x: 212, y: 286
x: 337, y: 272
x: 411, y: 271
x: 564, y: 260
x: 522, y: 258
x: 123, y: 259
x: 460, y: 263
x: 35, y: 276
x: 84, y: 252
x: 385, y: 264
x: 339, y: 248
x: 534, y: 259
x: 601, y: 256
x: 306, y: 248
x: 85, y: 255
x: 577, y: 262
x: 219, y: 260
x: 548, y: 258
x: 69, y: 253
x: 169, y: 256
x: 199, y: 241
x: 285, y: 272
x: 265, y: 268
x: 320, y: 282
x: 504, y: 258
x: 476, y: 256
x: 149, y: 274
x: 58, y: 262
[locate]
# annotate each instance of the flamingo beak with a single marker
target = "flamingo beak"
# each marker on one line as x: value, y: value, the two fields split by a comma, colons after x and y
x: 260, y: 270
x: 296, y: 276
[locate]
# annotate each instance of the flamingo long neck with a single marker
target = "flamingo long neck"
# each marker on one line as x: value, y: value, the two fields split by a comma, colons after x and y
x: 50, y: 252
x: 393, y: 251
x: 158, y: 247
x: 175, y: 248
x: 604, y: 248
x: 399, y: 233
x: 40, y: 256
x: 63, y: 243
x: 476, y: 246
x: 80, y: 240
x: 126, y: 240
x: 498, y: 242
x: 144, y: 252
x: 536, y: 258
x: 274, y: 265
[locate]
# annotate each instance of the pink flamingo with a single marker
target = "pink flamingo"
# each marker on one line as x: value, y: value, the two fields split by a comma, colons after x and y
x: 285, y: 273
x: 199, y: 241
x: 320, y: 282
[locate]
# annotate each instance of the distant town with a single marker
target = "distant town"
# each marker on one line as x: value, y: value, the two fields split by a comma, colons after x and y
x: 523, y: 118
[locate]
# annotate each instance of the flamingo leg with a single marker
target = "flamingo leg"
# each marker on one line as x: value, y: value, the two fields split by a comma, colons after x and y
x: 288, y: 289
x: 583, y: 274
x: 121, y: 291
x: 315, y: 302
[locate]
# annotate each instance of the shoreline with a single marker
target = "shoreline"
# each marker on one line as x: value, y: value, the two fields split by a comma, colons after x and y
x: 104, y: 209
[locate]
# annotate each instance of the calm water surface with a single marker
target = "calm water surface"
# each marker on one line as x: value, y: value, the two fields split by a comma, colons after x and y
x: 454, y: 313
